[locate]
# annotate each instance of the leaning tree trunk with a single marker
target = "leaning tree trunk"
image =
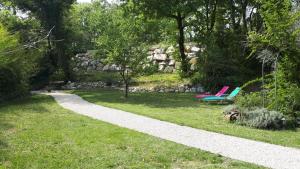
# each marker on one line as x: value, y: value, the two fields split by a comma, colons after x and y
x: 184, y: 62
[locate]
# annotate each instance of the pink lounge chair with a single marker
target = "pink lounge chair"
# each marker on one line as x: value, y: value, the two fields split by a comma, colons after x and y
x: 220, y: 93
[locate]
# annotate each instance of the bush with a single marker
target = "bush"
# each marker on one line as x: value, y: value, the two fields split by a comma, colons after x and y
x: 263, y: 119
x: 11, y: 83
x: 249, y: 100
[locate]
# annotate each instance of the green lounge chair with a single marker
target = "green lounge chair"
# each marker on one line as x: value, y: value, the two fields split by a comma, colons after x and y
x: 223, y: 98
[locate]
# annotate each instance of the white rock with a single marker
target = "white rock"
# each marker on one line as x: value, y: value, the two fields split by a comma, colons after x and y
x: 159, y: 51
x: 161, y: 67
x: 150, y: 58
x: 160, y: 57
x: 172, y: 62
x: 170, y: 49
x: 162, y: 63
x: 191, y: 55
x: 195, y: 49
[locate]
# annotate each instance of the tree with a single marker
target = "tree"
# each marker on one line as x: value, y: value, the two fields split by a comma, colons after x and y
x: 122, y: 43
x: 17, y: 63
x: 51, y: 14
x: 179, y: 10
x: 279, y: 36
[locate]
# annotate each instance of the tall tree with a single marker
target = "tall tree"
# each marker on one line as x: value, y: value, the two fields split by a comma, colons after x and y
x: 178, y: 10
x: 51, y: 13
x: 280, y: 36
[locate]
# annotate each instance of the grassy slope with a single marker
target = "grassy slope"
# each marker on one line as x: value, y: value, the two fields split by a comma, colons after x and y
x: 159, y: 79
x: 37, y: 133
x: 184, y: 110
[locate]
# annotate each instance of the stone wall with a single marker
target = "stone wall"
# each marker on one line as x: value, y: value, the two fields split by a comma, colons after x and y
x: 181, y: 88
x: 164, y: 57
x: 87, y: 62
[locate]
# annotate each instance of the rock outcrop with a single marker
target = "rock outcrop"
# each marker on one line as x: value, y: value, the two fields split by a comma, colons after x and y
x: 163, y: 57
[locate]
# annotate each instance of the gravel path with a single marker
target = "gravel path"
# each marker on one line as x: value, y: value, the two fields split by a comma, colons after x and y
x: 268, y: 155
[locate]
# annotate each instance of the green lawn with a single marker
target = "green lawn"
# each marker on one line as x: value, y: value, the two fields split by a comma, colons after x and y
x: 160, y: 79
x: 36, y: 133
x: 183, y: 109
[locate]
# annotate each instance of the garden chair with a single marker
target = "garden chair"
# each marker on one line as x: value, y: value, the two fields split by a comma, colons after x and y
x: 224, y: 98
x: 220, y: 93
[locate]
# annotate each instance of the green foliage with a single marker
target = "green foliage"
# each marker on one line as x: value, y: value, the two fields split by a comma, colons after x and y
x: 217, y: 30
x: 16, y: 66
x: 284, y: 97
x: 250, y: 100
x: 51, y: 15
x: 280, y: 36
x: 178, y: 11
x: 256, y: 84
x: 11, y: 83
x: 123, y: 44
x: 263, y: 119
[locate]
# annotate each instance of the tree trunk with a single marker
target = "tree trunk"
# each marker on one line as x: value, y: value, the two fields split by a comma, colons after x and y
x: 184, y: 63
x: 244, y: 13
x: 126, y: 89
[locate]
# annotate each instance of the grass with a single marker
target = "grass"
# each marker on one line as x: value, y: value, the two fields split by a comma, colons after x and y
x: 112, y: 77
x: 159, y: 79
x: 37, y: 133
x: 184, y: 110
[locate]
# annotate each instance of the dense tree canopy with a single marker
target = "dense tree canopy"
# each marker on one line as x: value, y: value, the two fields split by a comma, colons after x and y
x: 179, y: 10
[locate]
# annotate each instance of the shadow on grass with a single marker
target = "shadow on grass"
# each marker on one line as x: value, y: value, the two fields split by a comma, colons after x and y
x: 17, y: 107
x: 155, y: 100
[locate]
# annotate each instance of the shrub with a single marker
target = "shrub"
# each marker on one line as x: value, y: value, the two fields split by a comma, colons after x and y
x: 250, y: 100
x: 11, y: 83
x: 263, y: 119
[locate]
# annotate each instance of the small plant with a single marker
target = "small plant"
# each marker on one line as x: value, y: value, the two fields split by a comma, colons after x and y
x: 263, y: 118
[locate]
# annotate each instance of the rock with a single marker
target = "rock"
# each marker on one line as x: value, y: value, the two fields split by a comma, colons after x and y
x: 161, y: 67
x: 191, y: 55
x: 168, y: 69
x: 159, y: 51
x: 170, y: 50
x: 114, y: 67
x: 150, y: 52
x: 171, y: 57
x: 195, y: 49
x: 106, y: 68
x: 188, y: 48
x: 161, y: 57
x: 177, y: 65
x: 172, y: 63
x: 154, y: 47
x: 193, y: 61
x: 85, y: 64
x: 150, y: 58
x: 162, y: 63
x: 193, y: 67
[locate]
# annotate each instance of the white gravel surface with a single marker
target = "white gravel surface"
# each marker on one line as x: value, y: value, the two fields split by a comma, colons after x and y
x: 264, y: 154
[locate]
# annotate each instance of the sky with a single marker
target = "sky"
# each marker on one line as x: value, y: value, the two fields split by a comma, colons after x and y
x: 82, y: 1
